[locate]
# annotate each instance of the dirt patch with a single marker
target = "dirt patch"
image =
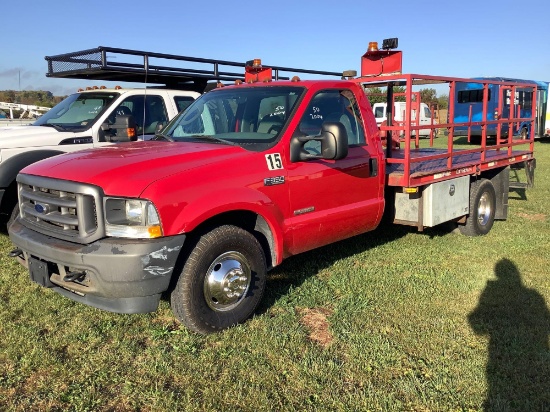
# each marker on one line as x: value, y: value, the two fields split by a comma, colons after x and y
x: 316, y: 322
x: 536, y: 217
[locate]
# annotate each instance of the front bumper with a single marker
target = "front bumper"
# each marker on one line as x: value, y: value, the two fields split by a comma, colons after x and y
x: 118, y: 275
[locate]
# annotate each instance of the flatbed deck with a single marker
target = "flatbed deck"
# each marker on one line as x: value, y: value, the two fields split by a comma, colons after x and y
x: 430, y: 164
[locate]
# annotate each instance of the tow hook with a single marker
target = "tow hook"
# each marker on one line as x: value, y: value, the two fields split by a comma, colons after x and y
x: 15, y: 253
x: 73, y: 276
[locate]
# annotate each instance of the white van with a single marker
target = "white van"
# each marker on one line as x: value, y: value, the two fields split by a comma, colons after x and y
x: 399, y: 109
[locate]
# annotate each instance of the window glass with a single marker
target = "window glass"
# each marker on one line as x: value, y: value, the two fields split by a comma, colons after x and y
x: 427, y: 112
x: 379, y: 112
x: 472, y: 96
x: 78, y: 111
x: 148, y: 111
x: 251, y: 116
x: 332, y: 106
x: 527, y: 100
x: 183, y: 102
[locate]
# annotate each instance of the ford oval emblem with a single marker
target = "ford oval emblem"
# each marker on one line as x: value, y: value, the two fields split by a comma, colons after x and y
x: 39, y: 208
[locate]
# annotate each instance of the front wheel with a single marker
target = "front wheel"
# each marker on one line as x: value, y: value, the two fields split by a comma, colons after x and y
x: 482, y: 209
x: 222, y: 281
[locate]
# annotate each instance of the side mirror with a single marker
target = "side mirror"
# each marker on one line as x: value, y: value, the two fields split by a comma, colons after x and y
x: 334, y: 144
x: 124, y: 129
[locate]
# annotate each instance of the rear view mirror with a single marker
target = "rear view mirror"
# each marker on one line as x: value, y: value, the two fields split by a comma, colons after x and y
x: 333, y: 139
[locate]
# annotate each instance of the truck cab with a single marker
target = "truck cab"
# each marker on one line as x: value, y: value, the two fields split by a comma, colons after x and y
x: 254, y: 173
x: 90, y: 118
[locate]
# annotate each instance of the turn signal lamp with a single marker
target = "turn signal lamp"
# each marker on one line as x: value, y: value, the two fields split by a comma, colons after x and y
x: 154, y: 231
x: 410, y: 190
x: 132, y: 133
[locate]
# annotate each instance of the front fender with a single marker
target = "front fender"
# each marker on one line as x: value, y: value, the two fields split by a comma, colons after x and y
x: 185, y: 216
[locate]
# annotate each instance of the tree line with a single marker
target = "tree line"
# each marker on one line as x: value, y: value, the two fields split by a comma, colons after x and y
x: 375, y: 94
x: 428, y: 96
x: 34, y: 97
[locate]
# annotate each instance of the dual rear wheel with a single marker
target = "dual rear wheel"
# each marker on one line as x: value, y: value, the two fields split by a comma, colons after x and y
x: 482, y: 209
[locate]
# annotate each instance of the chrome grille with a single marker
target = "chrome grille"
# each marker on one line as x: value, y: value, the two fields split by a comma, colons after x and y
x: 63, y: 209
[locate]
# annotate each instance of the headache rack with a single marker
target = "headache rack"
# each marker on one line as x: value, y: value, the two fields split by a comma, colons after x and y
x: 421, y: 161
x: 115, y: 64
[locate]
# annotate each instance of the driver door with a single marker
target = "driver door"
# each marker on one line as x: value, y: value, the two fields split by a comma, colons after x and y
x: 333, y: 199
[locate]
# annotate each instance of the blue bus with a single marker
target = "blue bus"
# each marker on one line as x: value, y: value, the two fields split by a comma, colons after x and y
x: 471, y: 95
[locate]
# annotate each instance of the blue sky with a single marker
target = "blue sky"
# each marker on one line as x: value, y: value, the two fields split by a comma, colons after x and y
x: 463, y: 39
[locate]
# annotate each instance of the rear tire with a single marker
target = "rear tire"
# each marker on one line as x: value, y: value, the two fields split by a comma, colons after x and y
x: 523, y: 133
x: 482, y: 209
x: 222, y: 281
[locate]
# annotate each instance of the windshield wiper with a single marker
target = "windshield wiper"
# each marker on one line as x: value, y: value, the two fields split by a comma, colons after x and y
x: 213, y: 138
x: 160, y: 136
x: 57, y: 127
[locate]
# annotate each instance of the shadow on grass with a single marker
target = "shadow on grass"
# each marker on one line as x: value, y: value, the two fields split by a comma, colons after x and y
x: 517, y: 322
x: 517, y: 193
x: 297, y: 269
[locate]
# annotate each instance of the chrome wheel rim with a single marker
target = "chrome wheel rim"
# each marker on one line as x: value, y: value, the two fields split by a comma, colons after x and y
x: 484, y: 209
x: 227, y: 281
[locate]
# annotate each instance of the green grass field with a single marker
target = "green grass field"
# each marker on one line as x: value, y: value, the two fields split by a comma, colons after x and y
x: 393, y: 320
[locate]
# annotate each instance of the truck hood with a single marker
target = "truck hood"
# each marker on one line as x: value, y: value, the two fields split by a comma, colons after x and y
x: 127, y: 169
x: 28, y: 136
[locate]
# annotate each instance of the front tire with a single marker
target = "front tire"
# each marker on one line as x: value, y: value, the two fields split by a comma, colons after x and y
x: 222, y: 281
x: 482, y: 209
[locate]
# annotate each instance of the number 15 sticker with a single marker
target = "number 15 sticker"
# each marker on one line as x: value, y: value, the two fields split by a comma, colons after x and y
x: 274, y: 161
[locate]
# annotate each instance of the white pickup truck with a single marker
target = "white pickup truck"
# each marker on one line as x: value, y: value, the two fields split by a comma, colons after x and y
x: 86, y: 119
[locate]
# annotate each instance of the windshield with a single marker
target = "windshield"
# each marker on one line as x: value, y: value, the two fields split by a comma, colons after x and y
x: 250, y: 116
x: 77, y: 112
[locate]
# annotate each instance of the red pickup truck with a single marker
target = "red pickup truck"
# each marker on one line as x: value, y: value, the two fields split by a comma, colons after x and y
x: 247, y: 176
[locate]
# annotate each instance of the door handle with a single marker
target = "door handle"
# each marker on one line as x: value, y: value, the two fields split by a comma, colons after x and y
x: 373, y: 167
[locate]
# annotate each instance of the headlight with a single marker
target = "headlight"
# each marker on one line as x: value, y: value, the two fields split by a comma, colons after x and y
x: 131, y: 218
